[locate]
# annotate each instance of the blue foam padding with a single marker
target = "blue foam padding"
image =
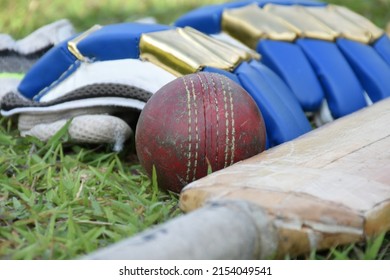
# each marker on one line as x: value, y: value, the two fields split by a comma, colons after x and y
x: 282, y: 114
x: 290, y: 63
x: 117, y: 41
x: 57, y: 62
x: 372, y: 71
x: 342, y: 89
x: 279, y: 87
x: 382, y: 46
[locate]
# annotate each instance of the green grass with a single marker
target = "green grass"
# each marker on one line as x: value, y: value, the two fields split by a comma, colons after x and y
x: 21, y: 17
x: 60, y: 201
x: 377, y: 248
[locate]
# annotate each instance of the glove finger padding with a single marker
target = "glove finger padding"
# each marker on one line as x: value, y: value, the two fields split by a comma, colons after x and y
x: 17, y: 57
x: 90, y: 125
x: 102, y: 100
x: 122, y: 65
x: 323, y: 52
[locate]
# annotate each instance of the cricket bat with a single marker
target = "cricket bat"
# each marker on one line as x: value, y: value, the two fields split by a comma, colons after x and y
x: 326, y: 188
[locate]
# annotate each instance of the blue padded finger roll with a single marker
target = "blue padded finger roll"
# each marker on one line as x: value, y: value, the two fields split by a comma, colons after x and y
x: 315, y: 69
x: 382, y: 46
x: 110, y: 42
x: 284, y: 94
x: 370, y: 68
x: 289, y: 62
x: 343, y: 90
x: 282, y: 114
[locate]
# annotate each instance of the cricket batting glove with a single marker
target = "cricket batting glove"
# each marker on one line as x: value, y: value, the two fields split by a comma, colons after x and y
x: 334, y: 60
x: 17, y: 57
x: 102, y: 78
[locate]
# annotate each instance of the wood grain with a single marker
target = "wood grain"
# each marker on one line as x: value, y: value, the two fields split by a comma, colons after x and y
x: 328, y: 187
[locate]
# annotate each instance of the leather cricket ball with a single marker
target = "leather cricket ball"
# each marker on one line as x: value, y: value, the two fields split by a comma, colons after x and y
x: 194, y: 124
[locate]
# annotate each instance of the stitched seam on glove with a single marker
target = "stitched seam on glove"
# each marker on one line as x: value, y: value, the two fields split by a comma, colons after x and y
x: 70, y: 69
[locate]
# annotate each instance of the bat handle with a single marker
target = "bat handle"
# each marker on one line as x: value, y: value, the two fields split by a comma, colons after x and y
x: 219, y: 230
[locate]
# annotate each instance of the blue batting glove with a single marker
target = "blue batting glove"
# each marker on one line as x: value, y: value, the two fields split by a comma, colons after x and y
x: 118, y: 67
x: 323, y: 52
x: 17, y: 56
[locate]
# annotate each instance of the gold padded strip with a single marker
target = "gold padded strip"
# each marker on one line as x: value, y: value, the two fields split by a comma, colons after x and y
x: 191, y: 52
x: 370, y: 28
x: 306, y: 24
x: 249, y: 24
x: 219, y: 46
x: 340, y: 24
x: 72, y: 44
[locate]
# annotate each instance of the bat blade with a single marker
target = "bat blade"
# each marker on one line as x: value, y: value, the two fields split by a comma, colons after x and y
x: 328, y: 187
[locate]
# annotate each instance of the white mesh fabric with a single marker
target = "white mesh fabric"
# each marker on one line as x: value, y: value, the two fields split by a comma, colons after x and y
x: 28, y: 121
x: 93, y: 129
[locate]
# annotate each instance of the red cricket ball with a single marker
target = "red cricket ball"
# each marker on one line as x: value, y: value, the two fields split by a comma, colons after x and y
x: 196, y: 122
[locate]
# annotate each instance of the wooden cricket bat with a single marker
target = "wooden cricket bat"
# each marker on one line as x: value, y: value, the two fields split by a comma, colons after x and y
x: 326, y: 188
